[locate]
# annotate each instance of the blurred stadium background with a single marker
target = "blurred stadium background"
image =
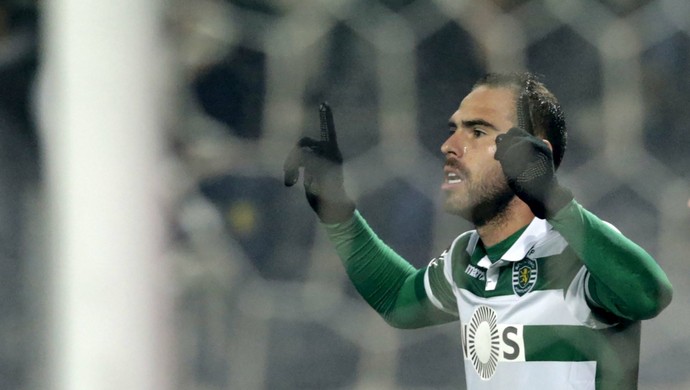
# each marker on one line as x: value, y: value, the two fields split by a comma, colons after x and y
x: 260, y: 299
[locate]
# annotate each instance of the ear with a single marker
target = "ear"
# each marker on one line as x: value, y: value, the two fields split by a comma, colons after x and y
x: 546, y: 141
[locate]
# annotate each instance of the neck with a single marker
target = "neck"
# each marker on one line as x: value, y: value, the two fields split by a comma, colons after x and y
x: 514, y: 217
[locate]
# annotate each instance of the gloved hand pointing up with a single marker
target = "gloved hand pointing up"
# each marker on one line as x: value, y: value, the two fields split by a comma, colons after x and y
x: 323, y: 172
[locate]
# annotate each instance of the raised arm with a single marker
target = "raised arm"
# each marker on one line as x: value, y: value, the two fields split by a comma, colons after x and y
x: 391, y: 285
x: 624, y: 279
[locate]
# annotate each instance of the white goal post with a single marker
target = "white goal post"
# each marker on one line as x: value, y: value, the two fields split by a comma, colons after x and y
x: 100, y: 104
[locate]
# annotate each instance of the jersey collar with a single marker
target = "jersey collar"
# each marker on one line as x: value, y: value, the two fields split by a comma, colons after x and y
x: 520, y: 249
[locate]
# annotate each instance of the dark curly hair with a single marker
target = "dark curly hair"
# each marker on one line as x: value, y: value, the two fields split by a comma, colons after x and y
x: 538, y: 110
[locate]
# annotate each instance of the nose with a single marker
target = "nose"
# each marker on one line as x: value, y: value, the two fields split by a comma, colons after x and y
x: 453, y: 146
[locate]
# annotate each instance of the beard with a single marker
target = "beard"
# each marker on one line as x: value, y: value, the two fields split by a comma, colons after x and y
x: 483, y: 203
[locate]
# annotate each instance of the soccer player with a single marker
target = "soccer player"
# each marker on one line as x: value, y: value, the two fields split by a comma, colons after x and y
x: 548, y: 296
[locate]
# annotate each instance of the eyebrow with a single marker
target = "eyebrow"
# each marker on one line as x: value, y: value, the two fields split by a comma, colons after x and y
x: 472, y: 123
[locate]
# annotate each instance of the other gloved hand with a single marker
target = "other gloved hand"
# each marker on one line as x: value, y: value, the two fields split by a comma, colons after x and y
x: 527, y: 163
x: 323, y: 172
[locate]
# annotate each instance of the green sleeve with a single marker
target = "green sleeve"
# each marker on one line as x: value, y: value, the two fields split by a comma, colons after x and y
x: 386, y: 281
x: 624, y: 279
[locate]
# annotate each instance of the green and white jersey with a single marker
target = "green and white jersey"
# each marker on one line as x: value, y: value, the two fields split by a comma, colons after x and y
x: 525, y: 318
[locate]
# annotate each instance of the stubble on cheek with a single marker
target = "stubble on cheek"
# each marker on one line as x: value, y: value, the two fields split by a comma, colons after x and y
x: 481, y: 199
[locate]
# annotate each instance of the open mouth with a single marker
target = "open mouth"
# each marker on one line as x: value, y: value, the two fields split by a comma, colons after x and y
x: 453, y: 178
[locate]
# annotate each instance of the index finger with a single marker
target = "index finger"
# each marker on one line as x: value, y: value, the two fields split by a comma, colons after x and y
x: 327, y: 126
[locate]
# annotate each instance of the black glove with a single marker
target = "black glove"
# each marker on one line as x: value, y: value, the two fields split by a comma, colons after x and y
x: 527, y: 163
x: 323, y: 172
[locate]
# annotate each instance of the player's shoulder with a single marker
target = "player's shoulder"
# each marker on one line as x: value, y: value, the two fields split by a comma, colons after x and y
x: 460, y: 241
x: 549, y: 243
x: 463, y: 242
x: 466, y: 238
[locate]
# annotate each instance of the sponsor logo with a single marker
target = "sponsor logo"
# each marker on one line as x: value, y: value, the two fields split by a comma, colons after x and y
x: 486, y: 343
x: 474, y: 272
x: 524, y: 276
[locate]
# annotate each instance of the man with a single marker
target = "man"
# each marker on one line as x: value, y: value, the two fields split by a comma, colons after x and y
x: 548, y: 295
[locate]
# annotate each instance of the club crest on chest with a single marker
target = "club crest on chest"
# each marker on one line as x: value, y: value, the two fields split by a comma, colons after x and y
x: 524, y: 276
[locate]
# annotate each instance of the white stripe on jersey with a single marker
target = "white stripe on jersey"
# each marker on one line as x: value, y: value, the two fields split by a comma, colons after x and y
x: 542, y: 307
x: 577, y: 294
x: 447, y: 272
x: 434, y: 301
